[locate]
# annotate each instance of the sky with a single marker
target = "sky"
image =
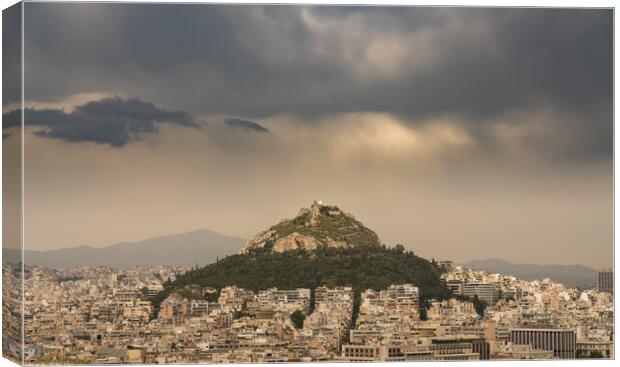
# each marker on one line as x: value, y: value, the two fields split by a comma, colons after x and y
x: 461, y: 133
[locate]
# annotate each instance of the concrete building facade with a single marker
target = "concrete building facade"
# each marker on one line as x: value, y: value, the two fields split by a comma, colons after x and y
x: 562, y: 342
x: 606, y: 281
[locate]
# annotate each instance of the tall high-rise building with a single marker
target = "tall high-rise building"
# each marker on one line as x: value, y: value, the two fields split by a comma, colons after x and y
x: 562, y: 342
x: 606, y: 281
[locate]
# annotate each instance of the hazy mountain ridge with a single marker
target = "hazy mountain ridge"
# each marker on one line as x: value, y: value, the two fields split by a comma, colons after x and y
x: 195, y: 247
x: 570, y: 275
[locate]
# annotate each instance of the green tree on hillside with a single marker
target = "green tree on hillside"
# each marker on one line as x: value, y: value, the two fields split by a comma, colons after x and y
x: 479, y: 305
x: 298, y: 318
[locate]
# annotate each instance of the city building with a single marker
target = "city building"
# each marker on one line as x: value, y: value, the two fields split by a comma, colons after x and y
x: 562, y: 342
x: 519, y: 351
x: 604, y: 348
x: 606, y: 281
x: 486, y: 292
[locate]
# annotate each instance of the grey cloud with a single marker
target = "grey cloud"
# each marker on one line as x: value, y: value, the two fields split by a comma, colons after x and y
x: 112, y: 121
x: 260, y: 61
x: 11, y: 51
x: 246, y: 125
x: 11, y: 119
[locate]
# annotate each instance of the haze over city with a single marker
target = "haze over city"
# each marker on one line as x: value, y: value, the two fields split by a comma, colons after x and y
x: 459, y: 133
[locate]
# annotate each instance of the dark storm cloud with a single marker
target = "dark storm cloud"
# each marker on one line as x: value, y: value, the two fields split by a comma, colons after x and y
x: 11, y: 54
x: 11, y: 119
x: 113, y: 121
x: 259, y: 61
x: 246, y: 125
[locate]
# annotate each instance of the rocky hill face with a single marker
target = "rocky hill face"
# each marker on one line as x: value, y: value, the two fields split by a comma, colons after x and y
x: 320, y: 225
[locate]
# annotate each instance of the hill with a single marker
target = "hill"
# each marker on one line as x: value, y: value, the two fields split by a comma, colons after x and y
x: 320, y: 225
x: 186, y: 249
x: 570, y: 275
x: 337, y: 251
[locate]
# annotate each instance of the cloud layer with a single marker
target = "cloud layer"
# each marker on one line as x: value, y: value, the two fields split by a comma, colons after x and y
x: 473, y: 59
x: 245, y: 125
x: 260, y: 61
x: 113, y: 121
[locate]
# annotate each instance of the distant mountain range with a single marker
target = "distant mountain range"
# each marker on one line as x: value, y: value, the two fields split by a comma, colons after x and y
x: 196, y: 247
x: 569, y: 275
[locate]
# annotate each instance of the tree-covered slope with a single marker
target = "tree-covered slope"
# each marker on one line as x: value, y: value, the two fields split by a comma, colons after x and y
x: 361, y: 267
